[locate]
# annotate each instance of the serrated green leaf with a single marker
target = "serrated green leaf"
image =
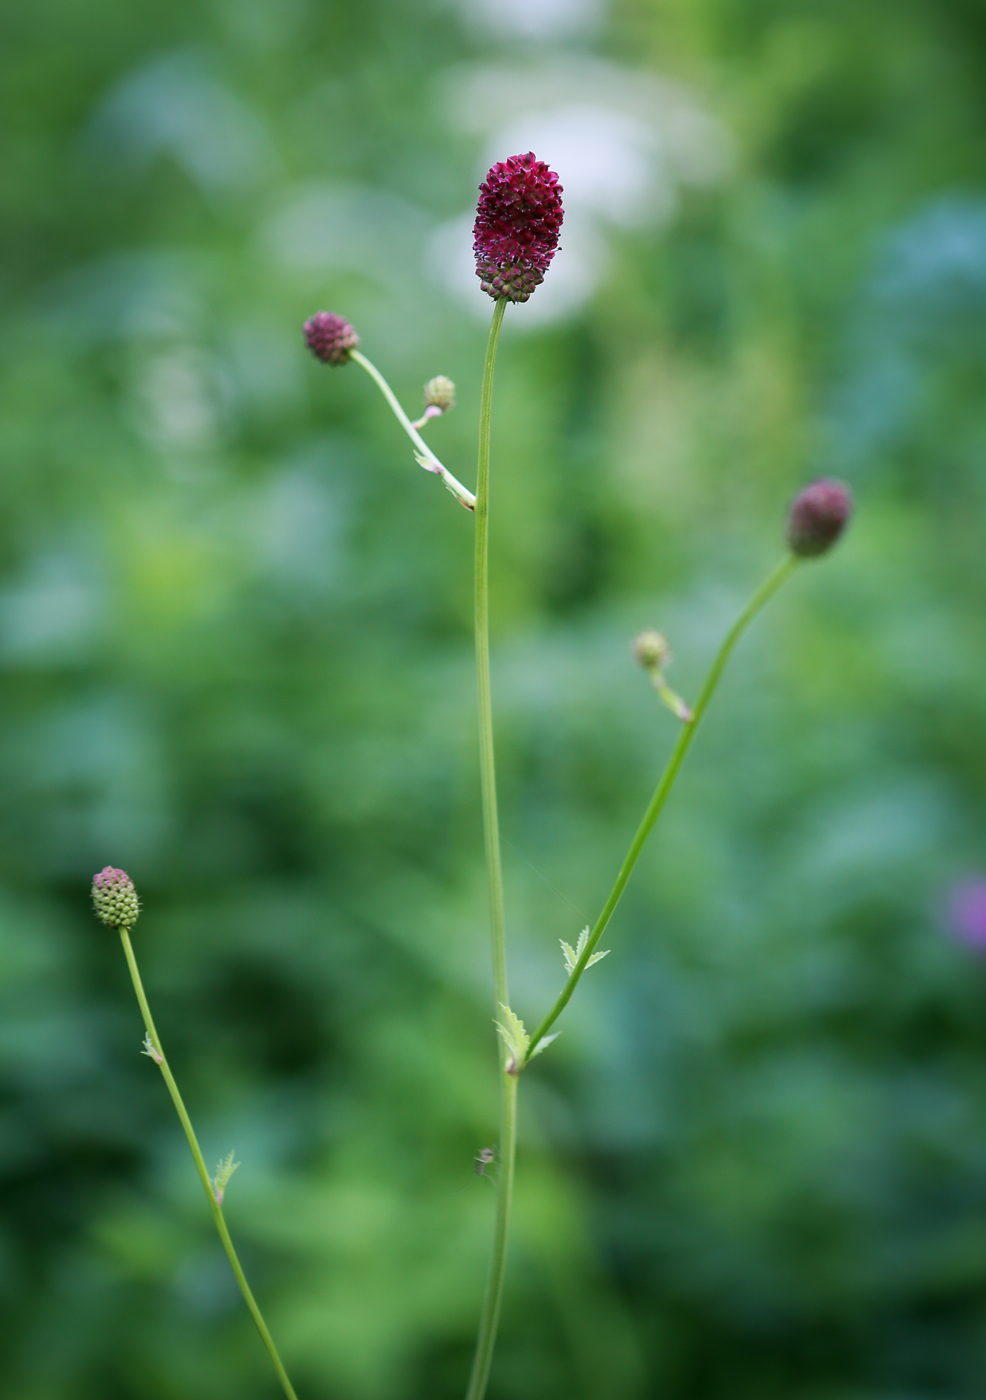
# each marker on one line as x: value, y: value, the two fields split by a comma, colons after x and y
x: 224, y: 1171
x: 572, y: 955
x: 543, y: 1043
x: 516, y: 1039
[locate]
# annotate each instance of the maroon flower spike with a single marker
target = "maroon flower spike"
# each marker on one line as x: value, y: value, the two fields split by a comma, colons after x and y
x: 330, y: 338
x: 517, y: 225
x: 817, y: 517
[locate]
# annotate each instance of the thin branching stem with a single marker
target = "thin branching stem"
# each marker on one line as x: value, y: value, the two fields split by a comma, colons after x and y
x: 424, y: 454
x: 766, y: 591
x: 154, y: 1042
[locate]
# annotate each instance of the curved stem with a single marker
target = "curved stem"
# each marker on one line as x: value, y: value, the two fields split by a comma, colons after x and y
x: 491, y: 831
x: 425, y: 456
x: 200, y: 1167
x: 766, y: 591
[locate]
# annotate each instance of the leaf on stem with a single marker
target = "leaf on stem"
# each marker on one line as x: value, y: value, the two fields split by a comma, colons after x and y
x: 224, y: 1171
x: 429, y: 463
x: 151, y: 1050
x: 543, y: 1044
x: 515, y: 1038
x: 572, y: 955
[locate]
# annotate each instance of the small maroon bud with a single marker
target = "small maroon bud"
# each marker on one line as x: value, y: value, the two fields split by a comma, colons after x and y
x: 819, y: 513
x: 330, y: 338
x: 518, y: 221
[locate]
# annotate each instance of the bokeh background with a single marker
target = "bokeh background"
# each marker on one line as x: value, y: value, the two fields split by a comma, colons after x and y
x: 235, y: 639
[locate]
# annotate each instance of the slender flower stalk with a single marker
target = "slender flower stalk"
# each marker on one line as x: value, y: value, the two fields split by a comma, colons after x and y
x: 156, y: 1053
x: 490, y: 1316
x: 333, y: 341
x: 491, y: 829
x: 515, y: 236
x: 763, y: 594
x: 116, y: 905
x: 816, y: 520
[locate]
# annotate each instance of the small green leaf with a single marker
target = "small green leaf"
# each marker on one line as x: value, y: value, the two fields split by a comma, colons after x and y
x: 572, y: 955
x: 543, y: 1043
x: 224, y: 1171
x: 516, y: 1039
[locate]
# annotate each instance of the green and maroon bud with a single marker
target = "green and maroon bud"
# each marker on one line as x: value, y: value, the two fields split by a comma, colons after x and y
x: 330, y: 338
x: 817, y: 517
x: 114, y: 898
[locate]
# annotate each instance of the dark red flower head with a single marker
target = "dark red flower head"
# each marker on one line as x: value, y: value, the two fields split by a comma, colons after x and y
x: 517, y: 225
x: 818, y: 515
x: 330, y: 338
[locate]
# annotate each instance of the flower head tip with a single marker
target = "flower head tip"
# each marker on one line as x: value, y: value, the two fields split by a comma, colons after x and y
x: 518, y: 221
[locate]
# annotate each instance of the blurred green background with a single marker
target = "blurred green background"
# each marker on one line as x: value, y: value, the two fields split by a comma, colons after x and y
x: 235, y: 639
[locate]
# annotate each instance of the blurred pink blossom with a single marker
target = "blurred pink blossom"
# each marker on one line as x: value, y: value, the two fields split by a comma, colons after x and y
x: 966, y: 911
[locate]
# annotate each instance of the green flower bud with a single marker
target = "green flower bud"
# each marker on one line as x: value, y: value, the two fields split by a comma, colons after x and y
x: 440, y: 393
x: 114, y: 898
x: 651, y: 650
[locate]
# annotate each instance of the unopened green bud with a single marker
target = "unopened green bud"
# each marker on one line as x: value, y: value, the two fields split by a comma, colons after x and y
x: 440, y: 393
x: 114, y: 898
x: 651, y: 650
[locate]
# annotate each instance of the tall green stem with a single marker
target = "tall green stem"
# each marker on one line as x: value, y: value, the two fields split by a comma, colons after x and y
x: 766, y: 591
x: 491, y: 828
x: 214, y: 1206
x: 494, y: 877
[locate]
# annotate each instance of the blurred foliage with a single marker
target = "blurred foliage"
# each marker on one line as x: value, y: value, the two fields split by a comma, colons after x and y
x: 236, y: 660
